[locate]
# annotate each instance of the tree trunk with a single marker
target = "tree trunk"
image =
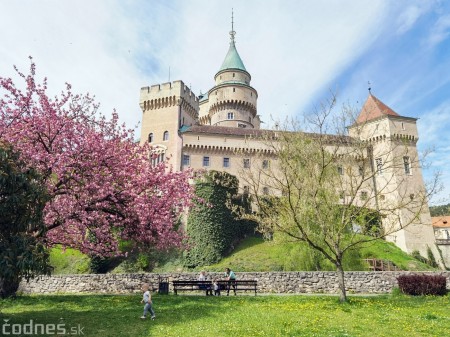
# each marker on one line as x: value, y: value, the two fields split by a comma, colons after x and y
x: 8, y: 287
x: 340, y: 274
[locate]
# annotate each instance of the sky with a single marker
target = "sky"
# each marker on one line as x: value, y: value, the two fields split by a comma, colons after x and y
x: 295, y: 50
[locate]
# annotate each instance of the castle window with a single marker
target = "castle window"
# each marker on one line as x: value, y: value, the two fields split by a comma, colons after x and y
x: 233, y: 74
x: 240, y: 125
x: 246, y: 189
x: 379, y: 165
x: 382, y: 197
x: 403, y: 126
x: 363, y: 195
x: 251, y: 94
x: 156, y: 158
x: 265, y: 164
x: 361, y: 170
x: 234, y: 89
x: 265, y: 190
x: 150, y: 137
x: 407, y: 165
x: 205, y: 161
x: 230, y: 115
x: 246, y: 163
x: 226, y: 162
x: 186, y: 160
x: 166, y: 135
x: 340, y: 170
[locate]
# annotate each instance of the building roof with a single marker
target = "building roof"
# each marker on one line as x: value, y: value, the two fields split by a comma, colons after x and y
x: 203, y: 97
x: 373, y: 109
x: 441, y: 221
x: 224, y: 130
x: 232, y: 59
x: 249, y: 132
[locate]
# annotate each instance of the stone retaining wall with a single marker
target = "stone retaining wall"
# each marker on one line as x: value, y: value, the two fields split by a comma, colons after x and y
x: 268, y: 282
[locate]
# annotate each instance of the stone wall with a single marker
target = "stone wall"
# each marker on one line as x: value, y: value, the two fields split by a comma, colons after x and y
x: 268, y: 282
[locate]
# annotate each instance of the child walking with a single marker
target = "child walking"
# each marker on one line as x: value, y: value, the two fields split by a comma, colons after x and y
x: 147, y: 300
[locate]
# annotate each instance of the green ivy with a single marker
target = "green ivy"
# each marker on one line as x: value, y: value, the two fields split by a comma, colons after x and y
x: 211, y: 227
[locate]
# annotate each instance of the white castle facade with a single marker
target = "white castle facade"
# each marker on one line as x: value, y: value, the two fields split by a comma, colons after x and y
x: 210, y: 132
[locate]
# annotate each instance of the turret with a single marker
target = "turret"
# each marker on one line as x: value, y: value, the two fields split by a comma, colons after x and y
x: 232, y: 101
x: 166, y: 108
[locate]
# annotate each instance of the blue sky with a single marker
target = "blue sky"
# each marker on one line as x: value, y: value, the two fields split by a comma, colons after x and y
x: 296, y: 51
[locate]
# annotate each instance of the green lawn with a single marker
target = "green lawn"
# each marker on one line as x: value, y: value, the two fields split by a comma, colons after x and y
x: 255, y: 254
x: 187, y: 315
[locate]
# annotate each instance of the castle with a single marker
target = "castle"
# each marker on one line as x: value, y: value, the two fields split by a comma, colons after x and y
x: 210, y: 132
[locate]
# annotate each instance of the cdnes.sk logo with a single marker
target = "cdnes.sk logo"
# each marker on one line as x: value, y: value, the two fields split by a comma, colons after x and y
x: 33, y: 328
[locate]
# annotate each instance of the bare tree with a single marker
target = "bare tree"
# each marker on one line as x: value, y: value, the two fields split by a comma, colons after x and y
x: 336, y: 187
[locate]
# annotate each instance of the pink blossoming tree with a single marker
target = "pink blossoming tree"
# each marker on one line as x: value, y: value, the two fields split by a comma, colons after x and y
x: 102, y: 187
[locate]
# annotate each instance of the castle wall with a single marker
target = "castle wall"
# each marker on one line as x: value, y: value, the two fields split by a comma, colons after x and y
x: 218, y: 147
x: 268, y: 282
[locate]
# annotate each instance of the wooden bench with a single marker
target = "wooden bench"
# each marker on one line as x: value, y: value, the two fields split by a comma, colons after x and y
x: 238, y: 285
x: 192, y: 285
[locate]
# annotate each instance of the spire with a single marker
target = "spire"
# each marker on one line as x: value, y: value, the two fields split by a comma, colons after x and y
x: 232, y: 32
x: 232, y: 59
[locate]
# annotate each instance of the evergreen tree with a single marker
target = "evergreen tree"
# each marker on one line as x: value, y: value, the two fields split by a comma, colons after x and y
x: 22, y: 200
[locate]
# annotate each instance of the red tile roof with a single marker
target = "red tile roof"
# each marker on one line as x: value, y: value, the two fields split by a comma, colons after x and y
x: 249, y: 132
x: 374, y: 108
x: 441, y: 221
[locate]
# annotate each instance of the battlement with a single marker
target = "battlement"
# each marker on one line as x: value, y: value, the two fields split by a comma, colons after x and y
x: 177, y: 88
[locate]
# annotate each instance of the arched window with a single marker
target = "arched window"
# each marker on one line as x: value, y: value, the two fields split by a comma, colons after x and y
x: 150, y: 137
x: 166, y: 135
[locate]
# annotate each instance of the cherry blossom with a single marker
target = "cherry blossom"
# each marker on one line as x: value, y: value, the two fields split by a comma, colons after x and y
x: 101, y: 184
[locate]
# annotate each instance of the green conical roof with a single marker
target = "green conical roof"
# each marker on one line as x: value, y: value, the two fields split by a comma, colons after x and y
x: 232, y: 60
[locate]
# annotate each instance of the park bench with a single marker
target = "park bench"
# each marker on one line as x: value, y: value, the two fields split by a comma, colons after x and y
x: 238, y: 285
x: 192, y: 285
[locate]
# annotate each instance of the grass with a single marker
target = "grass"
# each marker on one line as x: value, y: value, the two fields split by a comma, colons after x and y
x: 68, y: 261
x: 389, y: 251
x: 187, y: 315
x: 252, y: 254
x: 255, y: 254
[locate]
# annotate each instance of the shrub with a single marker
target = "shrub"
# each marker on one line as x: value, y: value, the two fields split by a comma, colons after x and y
x: 422, y: 284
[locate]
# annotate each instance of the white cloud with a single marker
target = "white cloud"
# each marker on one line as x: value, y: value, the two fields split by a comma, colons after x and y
x: 77, y: 42
x: 293, y: 49
x: 440, y: 30
x: 410, y: 15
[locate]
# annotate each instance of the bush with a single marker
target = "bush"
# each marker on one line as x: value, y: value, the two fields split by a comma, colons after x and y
x: 422, y: 284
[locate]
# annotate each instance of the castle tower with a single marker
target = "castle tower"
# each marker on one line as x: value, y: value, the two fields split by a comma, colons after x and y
x: 166, y: 109
x: 392, y: 141
x: 232, y: 101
